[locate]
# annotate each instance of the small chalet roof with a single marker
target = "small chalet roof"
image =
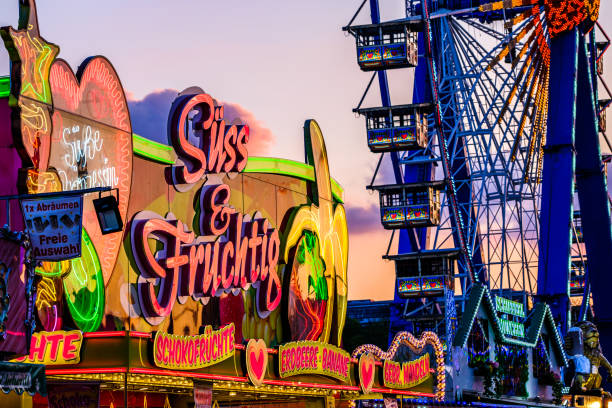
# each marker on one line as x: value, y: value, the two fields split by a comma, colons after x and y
x: 539, y: 316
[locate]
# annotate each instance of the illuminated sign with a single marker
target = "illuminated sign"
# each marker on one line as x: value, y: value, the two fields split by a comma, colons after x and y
x: 193, y: 352
x: 92, y: 145
x: 31, y: 58
x: 507, y: 306
x: 55, y: 348
x: 513, y: 309
x: 511, y: 328
x: 319, y: 235
x: 256, y: 358
x: 406, y: 375
x: 233, y: 251
x: 54, y: 225
x: 220, y: 148
x: 309, y: 357
x: 367, y: 367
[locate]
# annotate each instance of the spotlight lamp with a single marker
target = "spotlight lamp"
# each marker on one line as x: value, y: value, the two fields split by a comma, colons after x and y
x: 107, y: 210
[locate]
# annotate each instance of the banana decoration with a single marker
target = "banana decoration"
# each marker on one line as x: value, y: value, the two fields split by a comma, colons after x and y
x: 316, y: 249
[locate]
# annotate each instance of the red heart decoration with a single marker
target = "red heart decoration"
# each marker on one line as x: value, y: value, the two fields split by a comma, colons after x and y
x: 256, y: 361
x: 92, y: 142
x: 367, y: 366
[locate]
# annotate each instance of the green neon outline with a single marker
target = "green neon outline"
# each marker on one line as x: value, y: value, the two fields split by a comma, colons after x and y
x: 5, y: 86
x: 39, y: 270
x: 88, y: 319
x: 164, y: 154
x: 40, y: 61
x: 150, y: 149
x: 273, y: 165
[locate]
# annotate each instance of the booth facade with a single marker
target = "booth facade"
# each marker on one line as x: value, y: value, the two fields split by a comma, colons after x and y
x: 226, y: 280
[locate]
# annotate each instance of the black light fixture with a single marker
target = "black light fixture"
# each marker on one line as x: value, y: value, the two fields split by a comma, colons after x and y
x: 107, y: 210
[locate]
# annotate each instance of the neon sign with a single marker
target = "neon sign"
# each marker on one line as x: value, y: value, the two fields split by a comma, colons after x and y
x: 220, y: 147
x: 507, y: 306
x: 513, y: 310
x: 319, y: 235
x: 92, y: 142
x: 234, y: 252
x: 310, y: 357
x: 31, y: 56
x: 193, y: 352
x: 406, y: 375
x: 256, y: 359
x: 367, y: 368
x: 86, y: 165
x: 55, y: 348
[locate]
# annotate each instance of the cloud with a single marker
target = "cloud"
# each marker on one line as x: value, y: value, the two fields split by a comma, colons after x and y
x: 261, y: 137
x: 150, y: 115
x: 361, y: 220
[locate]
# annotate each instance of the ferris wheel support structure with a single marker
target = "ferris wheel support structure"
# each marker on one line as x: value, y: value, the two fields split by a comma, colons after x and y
x: 572, y: 149
x: 557, y: 177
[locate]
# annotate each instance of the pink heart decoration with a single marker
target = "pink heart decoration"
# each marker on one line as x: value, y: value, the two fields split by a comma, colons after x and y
x: 92, y: 142
x: 256, y: 361
x: 367, y: 366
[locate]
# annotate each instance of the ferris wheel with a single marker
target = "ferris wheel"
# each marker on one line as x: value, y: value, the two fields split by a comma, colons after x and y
x: 501, y: 137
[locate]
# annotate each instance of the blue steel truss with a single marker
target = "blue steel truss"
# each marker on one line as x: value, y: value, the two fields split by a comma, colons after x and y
x: 499, y: 169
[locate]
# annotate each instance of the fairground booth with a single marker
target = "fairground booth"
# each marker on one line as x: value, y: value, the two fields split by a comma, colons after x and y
x: 141, y: 274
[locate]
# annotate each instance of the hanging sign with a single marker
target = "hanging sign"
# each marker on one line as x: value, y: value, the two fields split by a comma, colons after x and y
x: 71, y: 395
x: 202, y: 395
x: 510, y: 326
x: 510, y: 307
x: 22, y: 377
x: 406, y: 375
x: 311, y: 357
x: 15, y: 380
x: 54, y: 225
x: 193, y: 352
x: 55, y: 348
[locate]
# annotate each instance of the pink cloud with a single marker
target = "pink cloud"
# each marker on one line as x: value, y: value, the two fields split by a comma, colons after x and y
x: 261, y: 137
x: 150, y: 115
x: 363, y: 220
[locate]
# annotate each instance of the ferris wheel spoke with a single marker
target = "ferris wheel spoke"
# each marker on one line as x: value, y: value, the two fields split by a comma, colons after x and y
x: 507, y: 245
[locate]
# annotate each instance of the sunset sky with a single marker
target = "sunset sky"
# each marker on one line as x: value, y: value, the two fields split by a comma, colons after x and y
x: 274, y: 63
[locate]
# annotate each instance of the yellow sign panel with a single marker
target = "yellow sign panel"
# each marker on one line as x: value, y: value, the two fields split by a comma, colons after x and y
x: 406, y: 375
x: 54, y: 348
x: 193, y: 352
x: 311, y: 357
